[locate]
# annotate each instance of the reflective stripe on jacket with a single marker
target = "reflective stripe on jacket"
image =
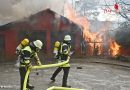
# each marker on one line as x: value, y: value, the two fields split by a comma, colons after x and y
x: 64, y: 53
x: 25, y: 55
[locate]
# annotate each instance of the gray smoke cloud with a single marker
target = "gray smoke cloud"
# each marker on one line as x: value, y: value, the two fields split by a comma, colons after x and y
x: 11, y: 10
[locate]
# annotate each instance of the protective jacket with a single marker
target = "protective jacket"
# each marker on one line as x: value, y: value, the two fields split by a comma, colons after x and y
x: 62, y: 53
x: 26, y: 54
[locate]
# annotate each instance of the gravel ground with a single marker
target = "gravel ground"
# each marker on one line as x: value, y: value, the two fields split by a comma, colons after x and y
x: 90, y: 76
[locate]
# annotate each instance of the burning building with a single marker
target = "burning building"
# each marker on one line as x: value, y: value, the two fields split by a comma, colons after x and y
x: 49, y: 27
x: 122, y: 37
x: 46, y: 25
x: 99, y: 42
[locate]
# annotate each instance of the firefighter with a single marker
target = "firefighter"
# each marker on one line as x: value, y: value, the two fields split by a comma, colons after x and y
x: 27, y: 53
x: 23, y: 43
x: 62, y: 54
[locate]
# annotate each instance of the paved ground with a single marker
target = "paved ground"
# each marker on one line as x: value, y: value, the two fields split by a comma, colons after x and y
x: 96, y: 74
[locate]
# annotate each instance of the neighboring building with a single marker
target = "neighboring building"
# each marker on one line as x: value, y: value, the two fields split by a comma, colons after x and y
x: 46, y: 25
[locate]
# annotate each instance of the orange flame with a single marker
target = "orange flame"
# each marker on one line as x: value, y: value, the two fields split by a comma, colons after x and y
x: 114, y: 48
x: 93, y: 39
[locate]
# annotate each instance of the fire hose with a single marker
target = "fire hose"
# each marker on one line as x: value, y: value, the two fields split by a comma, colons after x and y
x: 62, y: 88
x: 42, y: 67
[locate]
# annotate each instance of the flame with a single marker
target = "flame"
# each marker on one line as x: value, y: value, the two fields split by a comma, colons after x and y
x: 93, y: 39
x: 114, y: 48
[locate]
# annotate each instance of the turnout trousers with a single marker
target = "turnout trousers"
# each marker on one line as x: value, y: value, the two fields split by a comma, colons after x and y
x: 65, y: 75
x: 22, y: 71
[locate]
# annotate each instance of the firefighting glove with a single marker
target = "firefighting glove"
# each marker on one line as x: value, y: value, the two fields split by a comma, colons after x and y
x: 71, y: 53
x: 17, y: 52
x: 29, y: 66
x: 38, y: 62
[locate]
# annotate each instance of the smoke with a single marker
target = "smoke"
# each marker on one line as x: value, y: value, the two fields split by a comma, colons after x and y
x: 11, y: 10
x: 122, y: 35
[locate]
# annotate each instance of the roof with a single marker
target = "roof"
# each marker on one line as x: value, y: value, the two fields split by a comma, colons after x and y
x: 32, y: 18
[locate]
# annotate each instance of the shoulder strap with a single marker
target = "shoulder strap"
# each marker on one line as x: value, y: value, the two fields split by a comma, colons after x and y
x: 27, y: 48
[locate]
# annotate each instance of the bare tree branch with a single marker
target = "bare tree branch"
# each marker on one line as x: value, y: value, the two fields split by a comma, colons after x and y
x: 125, y: 3
x: 124, y: 12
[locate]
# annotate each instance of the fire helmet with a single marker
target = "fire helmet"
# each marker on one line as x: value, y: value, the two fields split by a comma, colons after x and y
x: 67, y: 38
x: 25, y: 41
x: 38, y: 44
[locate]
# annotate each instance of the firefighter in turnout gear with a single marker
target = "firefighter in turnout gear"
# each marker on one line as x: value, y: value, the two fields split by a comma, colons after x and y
x: 62, y: 52
x: 23, y: 43
x: 27, y: 53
